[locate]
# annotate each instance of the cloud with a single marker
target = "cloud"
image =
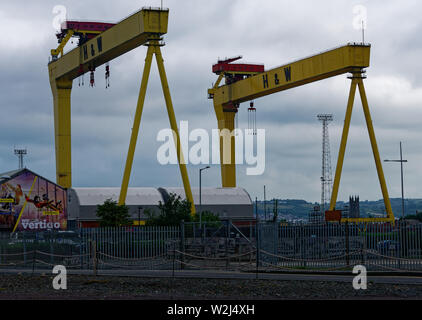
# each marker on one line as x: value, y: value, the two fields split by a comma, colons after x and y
x: 269, y: 32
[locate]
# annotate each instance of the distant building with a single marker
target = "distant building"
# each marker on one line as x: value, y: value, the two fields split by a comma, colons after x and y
x: 229, y: 203
x: 29, y: 202
x: 354, y: 210
x: 316, y: 216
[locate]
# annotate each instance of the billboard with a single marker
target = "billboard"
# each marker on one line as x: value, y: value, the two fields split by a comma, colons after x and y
x: 31, y: 203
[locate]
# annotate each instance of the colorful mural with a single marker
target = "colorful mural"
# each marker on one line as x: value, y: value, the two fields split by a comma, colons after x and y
x: 31, y: 203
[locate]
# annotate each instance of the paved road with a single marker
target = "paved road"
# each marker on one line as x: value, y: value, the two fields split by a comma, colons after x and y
x: 390, y: 279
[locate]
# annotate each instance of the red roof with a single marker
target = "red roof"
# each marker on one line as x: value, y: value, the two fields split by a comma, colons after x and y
x: 86, y: 26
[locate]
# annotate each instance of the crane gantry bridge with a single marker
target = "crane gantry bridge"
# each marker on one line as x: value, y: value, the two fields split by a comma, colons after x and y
x: 245, y: 82
x: 99, y: 43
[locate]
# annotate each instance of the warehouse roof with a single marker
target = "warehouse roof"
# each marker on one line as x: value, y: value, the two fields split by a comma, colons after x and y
x: 135, y: 196
x: 152, y: 196
x: 214, y: 196
x: 9, y: 175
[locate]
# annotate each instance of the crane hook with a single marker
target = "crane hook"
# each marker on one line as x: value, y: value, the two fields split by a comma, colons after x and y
x: 252, y: 119
x: 81, y: 74
x: 91, y: 77
x: 107, y: 75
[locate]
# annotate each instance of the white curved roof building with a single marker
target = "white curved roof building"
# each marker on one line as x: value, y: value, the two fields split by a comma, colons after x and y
x: 216, y: 196
x: 229, y: 203
x: 135, y: 196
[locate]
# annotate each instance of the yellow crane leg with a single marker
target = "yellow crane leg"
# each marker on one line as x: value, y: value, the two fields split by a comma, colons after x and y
x: 343, y: 143
x: 173, y: 124
x: 357, y: 81
x: 136, y: 124
x: 62, y: 129
x: 375, y: 151
x: 227, y: 147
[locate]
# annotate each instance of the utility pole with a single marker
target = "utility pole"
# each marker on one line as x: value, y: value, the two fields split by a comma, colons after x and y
x: 401, y: 170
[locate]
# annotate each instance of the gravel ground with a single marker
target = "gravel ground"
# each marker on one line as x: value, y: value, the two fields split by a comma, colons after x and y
x: 110, y: 287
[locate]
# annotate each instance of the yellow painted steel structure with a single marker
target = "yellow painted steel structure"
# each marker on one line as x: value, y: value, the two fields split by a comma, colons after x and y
x: 144, y: 27
x: 55, y: 52
x: 351, y: 58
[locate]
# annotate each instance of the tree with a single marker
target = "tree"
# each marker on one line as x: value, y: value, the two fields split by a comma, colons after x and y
x: 210, y: 218
x: 113, y: 215
x: 172, y: 212
x: 417, y: 216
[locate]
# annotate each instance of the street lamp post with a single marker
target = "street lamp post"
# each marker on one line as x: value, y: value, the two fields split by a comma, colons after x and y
x: 200, y: 195
x: 401, y: 167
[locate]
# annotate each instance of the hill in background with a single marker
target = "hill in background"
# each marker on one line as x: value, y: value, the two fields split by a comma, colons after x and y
x: 293, y: 209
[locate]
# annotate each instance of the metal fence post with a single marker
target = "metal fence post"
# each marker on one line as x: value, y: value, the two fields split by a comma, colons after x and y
x: 227, y: 243
x: 51, y: 249
x: 174, y: 255
x: 400, y: 246
x: 275, y: 239
x: 302, y: 244
x: 257, y: 238
x: 346, y: 226
x: 365, y: 242
x: 80, y: 248
x: 24, y: 249
x: 363, y: 246
x: 94, y: 256
x: 34, y: 248
x: 182, y: 244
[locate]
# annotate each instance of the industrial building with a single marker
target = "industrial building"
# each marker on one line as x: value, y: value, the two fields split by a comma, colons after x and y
x: 229, y: 203
x: 29, y: 201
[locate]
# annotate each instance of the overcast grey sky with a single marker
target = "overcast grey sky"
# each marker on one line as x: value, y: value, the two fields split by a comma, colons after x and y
x: 270, y: 32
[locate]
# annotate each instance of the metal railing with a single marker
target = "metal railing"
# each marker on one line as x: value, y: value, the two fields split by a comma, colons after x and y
x: 221, y: 246
x: 341, y: 246
x: 126, y: 247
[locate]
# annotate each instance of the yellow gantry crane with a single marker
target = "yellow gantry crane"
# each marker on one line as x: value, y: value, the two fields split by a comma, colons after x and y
x: 246, y: 82
x: 98, y: 44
